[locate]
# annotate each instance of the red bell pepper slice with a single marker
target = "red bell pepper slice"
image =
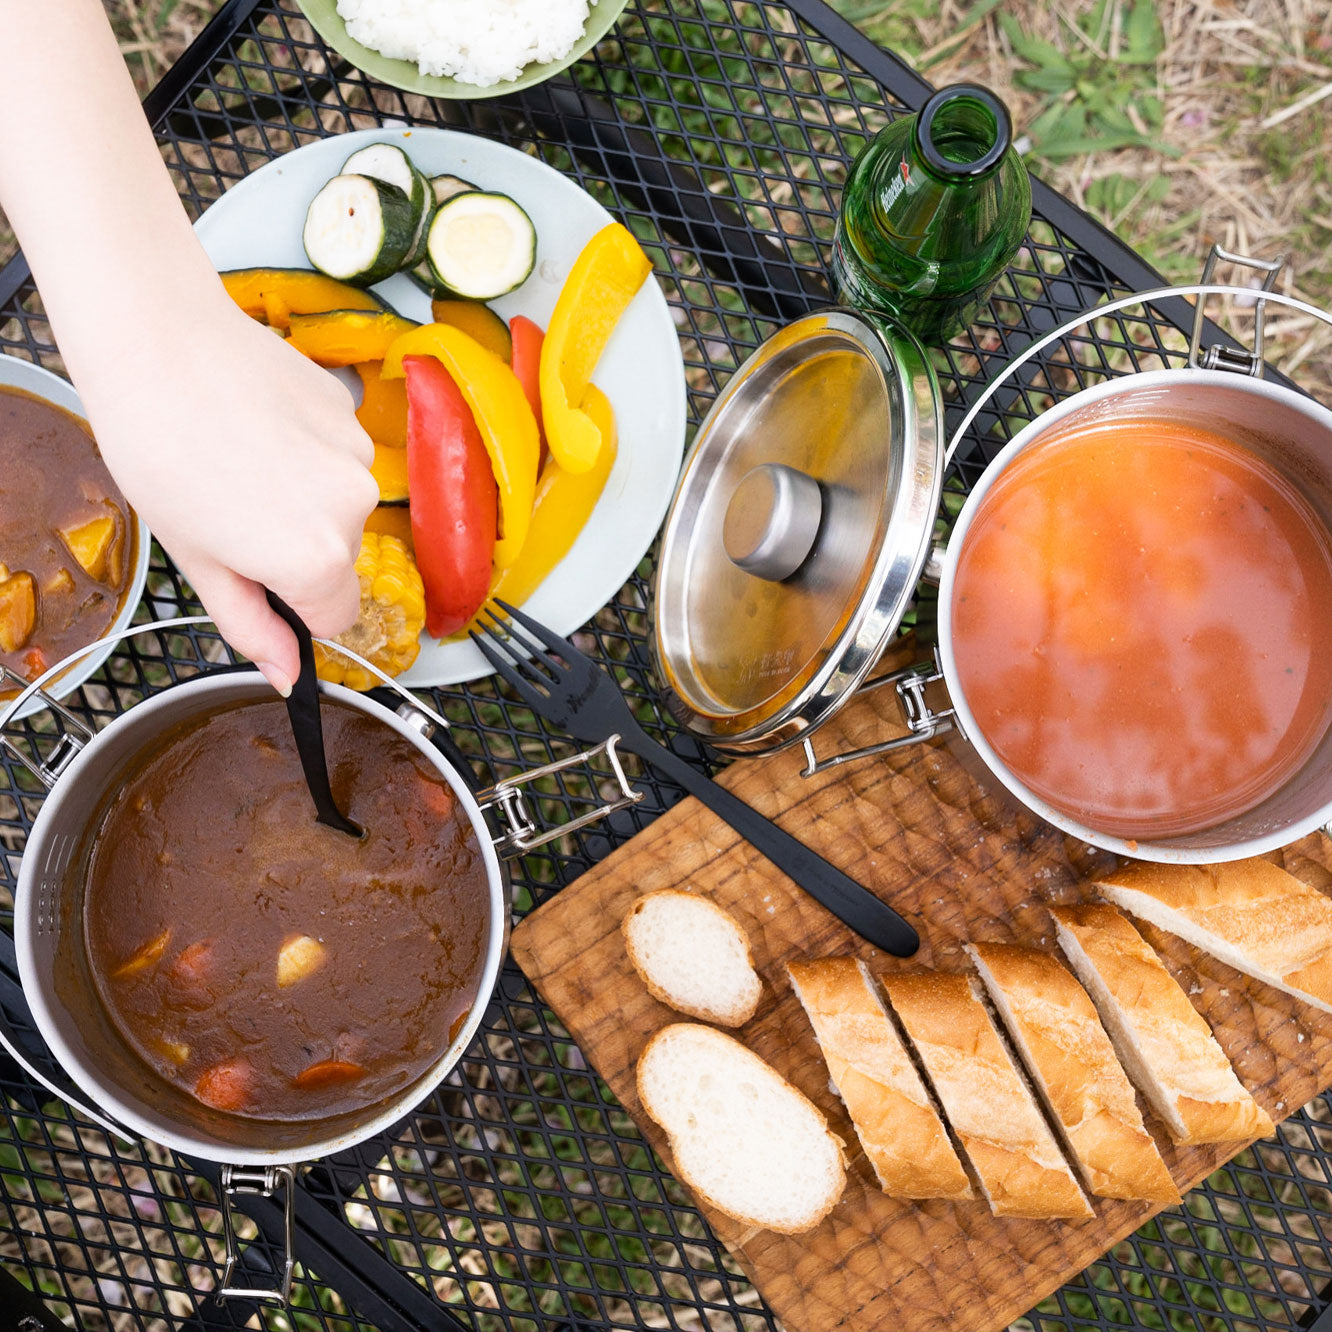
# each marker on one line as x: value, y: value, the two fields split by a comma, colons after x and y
x: 454, y: 500
x: 525, y: 362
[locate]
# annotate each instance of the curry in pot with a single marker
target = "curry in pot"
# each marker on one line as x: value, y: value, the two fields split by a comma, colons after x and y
x: 66, y: 536
x: 265, y: 964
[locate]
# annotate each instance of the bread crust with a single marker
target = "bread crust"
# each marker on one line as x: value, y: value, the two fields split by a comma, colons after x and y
x: 741, y: 1053
x: 735, y: 1017
x: 992, y: 1112
x: 1250, y: 913
x: 1181, y: 1069
x: 899, y: 1128
x: 1072, y: 1062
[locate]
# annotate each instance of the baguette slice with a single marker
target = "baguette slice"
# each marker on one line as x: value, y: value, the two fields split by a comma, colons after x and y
x: 1000, y: 1126
x: 744, y: 1140
x: 1073, y: 1066
x: 1251, y: 914
x: 898, y: 1126
x: 1161, y: 1039
x: 693, y: 955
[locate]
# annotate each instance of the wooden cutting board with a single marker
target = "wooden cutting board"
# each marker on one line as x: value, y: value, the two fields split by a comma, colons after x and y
x: 918, y: 828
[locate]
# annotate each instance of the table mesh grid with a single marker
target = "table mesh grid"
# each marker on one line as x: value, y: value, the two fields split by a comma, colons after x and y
x: 520, y: 1196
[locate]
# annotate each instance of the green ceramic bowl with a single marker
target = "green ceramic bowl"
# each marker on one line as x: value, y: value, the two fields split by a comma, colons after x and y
x: 324, y: 17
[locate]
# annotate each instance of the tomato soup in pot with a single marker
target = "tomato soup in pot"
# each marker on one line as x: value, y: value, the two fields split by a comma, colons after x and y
x: 1142, y: 625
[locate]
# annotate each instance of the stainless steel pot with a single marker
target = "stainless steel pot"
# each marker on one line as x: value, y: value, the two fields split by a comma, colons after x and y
x: 1279, y: 425
x: 721, y: 513
x: 103, y: 1072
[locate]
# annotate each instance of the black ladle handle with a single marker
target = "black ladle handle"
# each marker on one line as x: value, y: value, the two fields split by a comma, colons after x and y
x: 854, y: 905
x: 307, y: 726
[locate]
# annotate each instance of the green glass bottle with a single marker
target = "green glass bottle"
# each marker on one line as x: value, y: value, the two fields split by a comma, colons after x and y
x: 934, y: 209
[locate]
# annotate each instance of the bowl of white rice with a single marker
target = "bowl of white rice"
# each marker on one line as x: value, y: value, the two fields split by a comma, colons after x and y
x: 462, y: 48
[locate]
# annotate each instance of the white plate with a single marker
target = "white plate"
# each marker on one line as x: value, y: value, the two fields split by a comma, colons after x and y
x: 41, y: 383
x: 258, y: 222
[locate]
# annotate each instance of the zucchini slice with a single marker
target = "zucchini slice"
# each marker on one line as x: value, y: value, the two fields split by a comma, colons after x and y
x: 359, y: 229
x: 480, y: 245
x: 388, y: 162
x: 442, y: 188
x: 445, y: 187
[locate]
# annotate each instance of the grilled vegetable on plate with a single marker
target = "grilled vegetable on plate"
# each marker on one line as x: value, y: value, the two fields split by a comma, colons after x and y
x: 563, y: 542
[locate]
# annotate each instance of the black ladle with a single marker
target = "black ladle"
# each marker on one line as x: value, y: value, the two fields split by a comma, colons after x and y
x: 308, y: 727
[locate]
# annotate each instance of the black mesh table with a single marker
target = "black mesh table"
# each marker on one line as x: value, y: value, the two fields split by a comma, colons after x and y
x: 520, y: 1196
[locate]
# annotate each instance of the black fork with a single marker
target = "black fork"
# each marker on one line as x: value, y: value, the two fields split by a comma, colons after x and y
x: 574, y: 694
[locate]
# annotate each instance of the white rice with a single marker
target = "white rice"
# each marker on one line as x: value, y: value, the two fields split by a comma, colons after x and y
x: 478, y: 41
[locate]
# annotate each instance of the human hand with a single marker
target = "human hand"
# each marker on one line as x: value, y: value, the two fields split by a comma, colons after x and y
x: 247, y: 462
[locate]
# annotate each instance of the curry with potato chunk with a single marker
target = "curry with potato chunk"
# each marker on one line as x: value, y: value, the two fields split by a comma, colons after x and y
x: 66, y: 536
x: 265, y: 964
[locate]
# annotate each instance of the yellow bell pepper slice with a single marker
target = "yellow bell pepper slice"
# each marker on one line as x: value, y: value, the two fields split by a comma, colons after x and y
x: 604, y: 279
x: 503, y: 415
x: 564, y: 503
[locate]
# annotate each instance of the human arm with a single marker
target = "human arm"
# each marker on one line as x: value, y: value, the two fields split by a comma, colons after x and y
x: 244, y: 459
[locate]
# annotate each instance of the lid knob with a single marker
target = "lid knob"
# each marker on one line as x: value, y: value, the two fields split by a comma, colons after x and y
x: 772, y: 520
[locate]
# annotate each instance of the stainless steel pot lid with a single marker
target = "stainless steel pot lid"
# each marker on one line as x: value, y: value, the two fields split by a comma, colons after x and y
x: 799, y: 530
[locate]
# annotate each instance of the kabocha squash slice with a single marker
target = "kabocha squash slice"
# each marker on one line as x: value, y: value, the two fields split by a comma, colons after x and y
x: 390, y: 470
x: 18, y: 609
x: 393, y: 520
x: 383, y: 409
x: 387, y: 631
x: 345, y: 337
x: 273, y: 295
x: 477, y: 321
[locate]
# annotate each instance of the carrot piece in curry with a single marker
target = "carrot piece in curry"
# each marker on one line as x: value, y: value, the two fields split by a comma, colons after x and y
x: 226, y: 1086
x: 328, y: 1072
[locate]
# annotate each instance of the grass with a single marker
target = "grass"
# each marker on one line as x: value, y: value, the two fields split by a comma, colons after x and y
x: 1176, y: 124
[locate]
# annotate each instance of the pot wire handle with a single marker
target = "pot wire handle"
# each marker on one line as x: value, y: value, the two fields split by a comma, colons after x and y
x: 1109, y: 308
x: 923, y: 721
x: 1218, y: 356
x: 261, y: 1182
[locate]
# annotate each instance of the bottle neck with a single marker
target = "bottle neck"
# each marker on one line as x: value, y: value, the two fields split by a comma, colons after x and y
x: 961, y: 135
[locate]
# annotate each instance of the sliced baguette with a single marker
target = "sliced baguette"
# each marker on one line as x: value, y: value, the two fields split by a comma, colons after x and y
x: 1073, y: 1066
x: 1161, y: 1039
x: 899, y: 1128
x: 693, y: 955
x: 1250, y: 913
x: 987, y: 1101
x: 742, y: 1138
